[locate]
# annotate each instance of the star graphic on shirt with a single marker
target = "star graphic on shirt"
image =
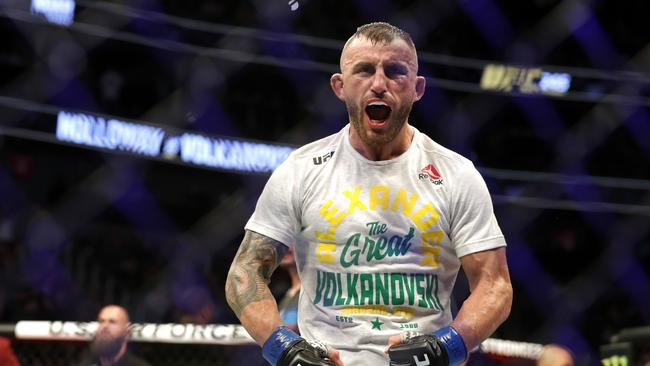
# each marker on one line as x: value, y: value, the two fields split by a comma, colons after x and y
x: 376, y: 324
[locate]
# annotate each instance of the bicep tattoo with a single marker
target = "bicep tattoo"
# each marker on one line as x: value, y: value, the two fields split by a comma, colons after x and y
x: 250, y: 273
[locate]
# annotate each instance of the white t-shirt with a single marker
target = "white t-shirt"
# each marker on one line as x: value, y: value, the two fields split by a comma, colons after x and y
x: 377, y: 243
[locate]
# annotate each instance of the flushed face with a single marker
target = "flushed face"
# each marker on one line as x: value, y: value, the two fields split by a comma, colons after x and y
x: 379, y: 84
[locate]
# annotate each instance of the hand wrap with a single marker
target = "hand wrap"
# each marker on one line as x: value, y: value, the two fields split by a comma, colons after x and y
x: 286, y: 348
x: 444, y: 347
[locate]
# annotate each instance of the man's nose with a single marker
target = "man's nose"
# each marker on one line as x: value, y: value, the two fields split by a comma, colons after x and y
x: 379, y: 82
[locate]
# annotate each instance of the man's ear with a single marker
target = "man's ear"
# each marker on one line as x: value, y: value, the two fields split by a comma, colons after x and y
x: 336, y: 82
x: 420, y: 86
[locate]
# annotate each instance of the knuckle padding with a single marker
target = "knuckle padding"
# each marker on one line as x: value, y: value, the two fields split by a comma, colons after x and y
x: 421, y: 350
x: 304, y: 354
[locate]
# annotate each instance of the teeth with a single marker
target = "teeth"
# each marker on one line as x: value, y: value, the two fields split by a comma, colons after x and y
x: 379, y: 103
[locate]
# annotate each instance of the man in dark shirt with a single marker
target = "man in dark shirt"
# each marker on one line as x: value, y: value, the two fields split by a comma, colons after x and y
x: 109, y: 346
x: 288, y: 306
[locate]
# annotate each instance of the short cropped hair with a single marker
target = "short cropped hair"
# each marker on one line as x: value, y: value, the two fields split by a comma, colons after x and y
x: 381, y: 32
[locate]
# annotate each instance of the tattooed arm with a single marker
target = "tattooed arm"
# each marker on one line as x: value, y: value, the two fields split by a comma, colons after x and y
x: 247, y: 290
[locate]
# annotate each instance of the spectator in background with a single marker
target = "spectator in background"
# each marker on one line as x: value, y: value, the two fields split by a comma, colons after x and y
x: 109, y: 346
x: 555, y: 355
x: 7, y: 356
x: 288, y: 306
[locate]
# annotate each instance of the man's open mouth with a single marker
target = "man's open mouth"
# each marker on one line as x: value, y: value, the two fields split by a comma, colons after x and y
x: 378, y: 111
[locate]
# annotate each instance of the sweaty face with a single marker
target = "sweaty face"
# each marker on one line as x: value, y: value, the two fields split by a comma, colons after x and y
x: 379, y: 88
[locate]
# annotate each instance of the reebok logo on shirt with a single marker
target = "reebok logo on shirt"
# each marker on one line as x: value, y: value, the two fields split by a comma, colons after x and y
x: 431, y: 174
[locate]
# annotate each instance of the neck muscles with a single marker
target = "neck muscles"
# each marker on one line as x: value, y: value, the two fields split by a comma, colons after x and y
x: 387, y: 151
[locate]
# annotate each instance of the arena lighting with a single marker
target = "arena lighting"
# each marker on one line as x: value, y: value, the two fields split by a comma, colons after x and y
x: 525, y: 80
x: 59, y: 12
x: 156, y: 142
x: 554, y: 83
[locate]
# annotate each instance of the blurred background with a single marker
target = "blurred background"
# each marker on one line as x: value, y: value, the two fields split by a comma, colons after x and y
x: 550, y: 100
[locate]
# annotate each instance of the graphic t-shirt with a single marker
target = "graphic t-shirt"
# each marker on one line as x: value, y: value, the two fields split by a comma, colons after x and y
x: 377, y: 243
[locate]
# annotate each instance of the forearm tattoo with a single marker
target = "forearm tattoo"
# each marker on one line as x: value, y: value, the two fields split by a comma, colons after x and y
x: 250, y: 273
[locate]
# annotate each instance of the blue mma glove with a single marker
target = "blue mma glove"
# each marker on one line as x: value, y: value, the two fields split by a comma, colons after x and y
x: 286, y: 348
x: 444, y: 347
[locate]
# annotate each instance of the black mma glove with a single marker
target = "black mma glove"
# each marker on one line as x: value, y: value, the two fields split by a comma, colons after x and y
x: 444, y: 347
x: 286, y: 348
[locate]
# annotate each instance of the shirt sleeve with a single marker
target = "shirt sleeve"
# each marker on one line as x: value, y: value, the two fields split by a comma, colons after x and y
x: 276, y: 214
x: 474, y: 226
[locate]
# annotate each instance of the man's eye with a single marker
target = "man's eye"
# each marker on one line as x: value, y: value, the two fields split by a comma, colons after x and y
x: 396, y: 70
x: 364, y: 70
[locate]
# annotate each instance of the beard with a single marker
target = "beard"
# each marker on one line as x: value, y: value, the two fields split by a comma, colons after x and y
x: 107, y: 347
x: 370, y: 138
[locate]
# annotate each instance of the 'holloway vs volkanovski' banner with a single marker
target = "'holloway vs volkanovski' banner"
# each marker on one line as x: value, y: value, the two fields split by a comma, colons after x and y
x: 167, y: 144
